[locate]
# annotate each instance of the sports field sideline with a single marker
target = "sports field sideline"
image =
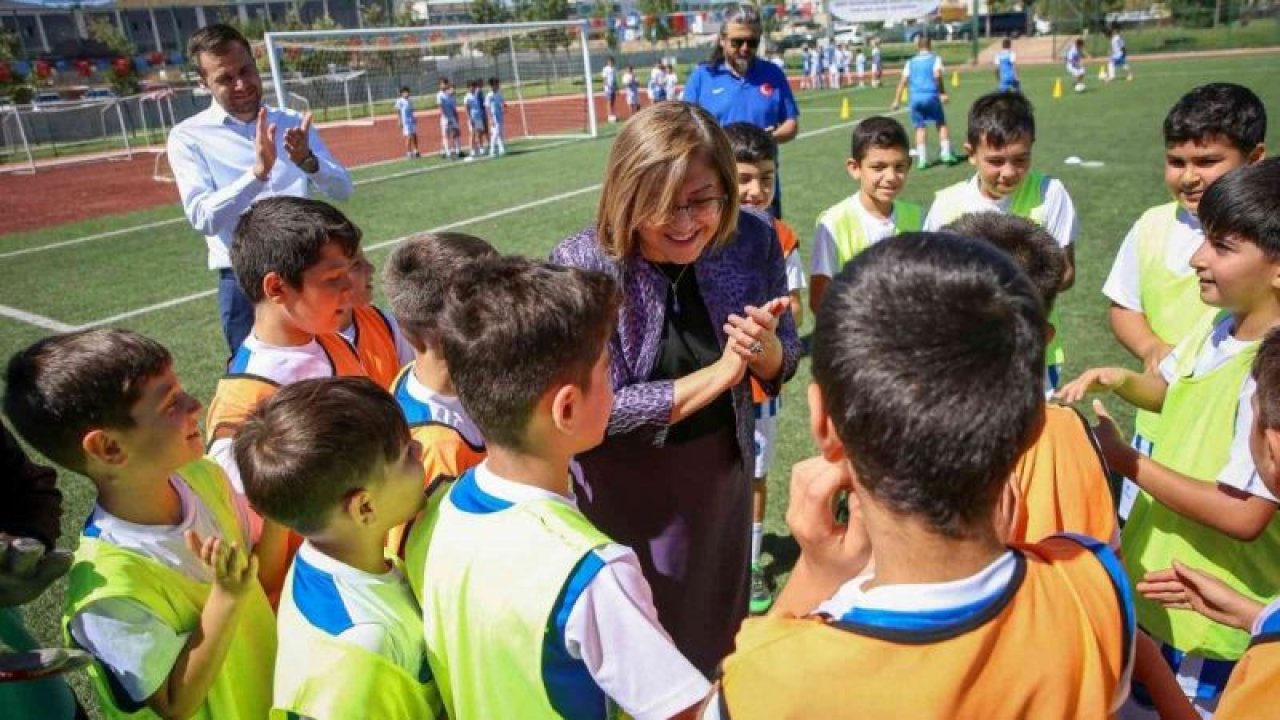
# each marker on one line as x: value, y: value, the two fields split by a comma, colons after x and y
x: 145, y: 270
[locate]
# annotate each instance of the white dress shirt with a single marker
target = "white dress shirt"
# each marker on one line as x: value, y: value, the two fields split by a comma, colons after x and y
x: 212, y: 155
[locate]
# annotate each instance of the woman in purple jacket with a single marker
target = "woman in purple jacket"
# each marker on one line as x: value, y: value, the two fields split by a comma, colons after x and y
x: 704, y: 306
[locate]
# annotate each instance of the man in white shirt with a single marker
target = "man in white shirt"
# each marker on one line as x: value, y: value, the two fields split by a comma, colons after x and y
x: 225, y: 158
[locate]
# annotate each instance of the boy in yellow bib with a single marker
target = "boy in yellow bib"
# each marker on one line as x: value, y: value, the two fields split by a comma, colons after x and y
x: 1204, y: 504
x: 1002, y: 131
x: 292, y: 257
x: 879, y: 161
x: 378, y: 340
x: 416, y: 277
x: 332, y: 460
x: 1254, y: 688
x: 1154, y: 291
x: 163, y: 593
x: 916, y: 608
x: 531, y: 612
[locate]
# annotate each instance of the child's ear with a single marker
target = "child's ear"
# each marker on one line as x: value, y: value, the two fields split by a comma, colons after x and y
x: 564, y: 407
x: 852, y: 166
x: 820, y: 425
x: 1257, y: 153
x: 273, y: 287
x: 969, y: 153
x: 100, y: 445
x: 360, y: 507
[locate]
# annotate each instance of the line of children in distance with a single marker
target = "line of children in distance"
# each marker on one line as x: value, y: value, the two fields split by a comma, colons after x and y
x: 183, y: 556
x: 486, y: 115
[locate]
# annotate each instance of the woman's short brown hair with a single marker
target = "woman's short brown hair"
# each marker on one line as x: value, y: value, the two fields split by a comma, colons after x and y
x: 648, y: 164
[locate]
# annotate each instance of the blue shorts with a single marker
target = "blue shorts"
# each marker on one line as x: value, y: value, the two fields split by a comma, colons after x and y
x: 477, y: 121
x: 1120, y: 60
x: 1010, y: 86
x: 927, y: 112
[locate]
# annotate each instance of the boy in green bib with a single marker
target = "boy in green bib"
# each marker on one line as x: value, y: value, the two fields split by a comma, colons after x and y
x: 1000, y: 137
x: 879, y: 161
x: 163, y: 593
x: 1154, y: 292
x: 1204, y: 504
x: 530, y: 611
x: 332, y: 460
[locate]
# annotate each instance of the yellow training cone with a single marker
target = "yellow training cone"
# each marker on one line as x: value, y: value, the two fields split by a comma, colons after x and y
x: 845, y: 110
x: 955, y: 79
x: 906, y: 96
x: 1102, y: 72
x: 1057, y: 88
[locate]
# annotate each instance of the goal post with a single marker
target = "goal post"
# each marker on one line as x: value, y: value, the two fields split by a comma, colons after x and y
x: 544, y: 69
x: 15, y: 150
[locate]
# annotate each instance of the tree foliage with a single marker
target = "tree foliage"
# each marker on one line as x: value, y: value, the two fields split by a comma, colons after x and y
x: 659, y: 11
x: 489, y: 12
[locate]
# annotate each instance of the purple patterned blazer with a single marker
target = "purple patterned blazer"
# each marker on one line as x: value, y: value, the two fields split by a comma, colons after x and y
x: 749, y: 270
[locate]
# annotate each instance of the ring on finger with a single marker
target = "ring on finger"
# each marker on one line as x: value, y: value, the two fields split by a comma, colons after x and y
x: 756, y: 348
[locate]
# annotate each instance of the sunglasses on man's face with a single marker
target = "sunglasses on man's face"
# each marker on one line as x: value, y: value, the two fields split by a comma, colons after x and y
x: 751, y: 42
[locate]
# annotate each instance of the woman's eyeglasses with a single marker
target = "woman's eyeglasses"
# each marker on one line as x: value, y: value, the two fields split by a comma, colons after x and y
x: 751, y: 42
x: 697, y: 210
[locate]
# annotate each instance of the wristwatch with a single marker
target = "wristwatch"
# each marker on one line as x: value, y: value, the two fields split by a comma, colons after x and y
x: 309, y: 164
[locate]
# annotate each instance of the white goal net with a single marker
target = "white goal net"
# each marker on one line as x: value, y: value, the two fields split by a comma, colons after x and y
x: 354, y: 77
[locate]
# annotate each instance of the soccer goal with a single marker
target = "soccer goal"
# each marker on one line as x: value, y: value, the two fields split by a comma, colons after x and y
x: 15, y: 151
x: 356, y: 75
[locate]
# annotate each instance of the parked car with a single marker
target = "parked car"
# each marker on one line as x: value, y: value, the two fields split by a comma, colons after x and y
x: 46, y: 99
x: 849, y: 37
x: 1006, y: 24
x: 100, y: 94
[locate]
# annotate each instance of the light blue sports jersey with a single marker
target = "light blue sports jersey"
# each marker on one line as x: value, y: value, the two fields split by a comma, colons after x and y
x: 805, y: 63
x: 1004, y: 60
x: 404, y: 107
x: 475, y: 108
x: 875, y: 57
x: 1074, y: 56
x: 448, y: 106
x: 921, y: 81
x: 497, y: 106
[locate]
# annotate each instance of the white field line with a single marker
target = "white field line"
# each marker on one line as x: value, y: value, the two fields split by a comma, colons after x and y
x: 61, y: 327
x: 50, y: 324
x: 89, y: 238
x: 174, y: 221
x: 39, y: 321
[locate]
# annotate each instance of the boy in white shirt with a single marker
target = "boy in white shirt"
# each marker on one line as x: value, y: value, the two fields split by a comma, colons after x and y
x: 1154, y: 291
x: 1001, y: 134
x: 609, y: 79
x: 332, y: 459
x: 1203, y: 502
x: 408, y: 123
x: 293, y: 259
x: 879, y: 162
x: 164, y: 592
x: 517, y: 580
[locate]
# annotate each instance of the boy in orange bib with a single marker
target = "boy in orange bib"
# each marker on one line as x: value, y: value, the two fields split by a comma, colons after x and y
x: 919, y: 584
